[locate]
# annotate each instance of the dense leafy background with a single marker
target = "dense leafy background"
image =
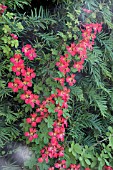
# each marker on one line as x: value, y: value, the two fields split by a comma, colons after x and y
x: 48, y: 29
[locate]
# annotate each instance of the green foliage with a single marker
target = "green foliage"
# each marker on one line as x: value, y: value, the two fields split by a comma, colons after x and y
x: 8, y: 128
x: 9, y: 114
x: 88, y: 156
x: 16, y: 3
x: 90, y: 110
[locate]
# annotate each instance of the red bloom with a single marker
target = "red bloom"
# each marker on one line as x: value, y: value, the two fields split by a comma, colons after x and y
x: 16, y: 59
x: 72, y: 49
x: 97, y: 27
x: 64, y: 94
x: 29, y: 52
x: 86, y: 10
x: 32, y: 100
x: 17, y: 68
x: 16, y: 85
x: 26, y: 96
x: 26, y: 83
x: 78, y: 65
x: 71, y: 79
x: 2, y: 8
x: 108, y: 168
x: 51, y: 168
x: 14, y: 36
x: 81, y: 49
x: 60, y: 164
x: 31, y: 134
x: 63, y: 64
x: 28, y: 73
x: 61, y: 80
x: 26, y: 48
x: 40, y: 160
x: 42, y: 110
x: 74, y: 167
x: 32, y: 120
x: 59, y: 110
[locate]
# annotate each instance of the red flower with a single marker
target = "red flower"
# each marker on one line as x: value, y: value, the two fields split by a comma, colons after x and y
x: 86, y: 10
x: 42, y: 110
x: 31, y: 134
x: 16, y: 59
x: 97, y: 27
x: 17, y: 68
x: 60, y: 164
x: 51, y: 168
x: 26, y: 96
x: 71, y: 79
x: 28, y: 73
x: 72, y: 49
x: 26, y: 83
x: 16, y: 85
x: 78, y: 65
x: 2, y: 8
x: 40, y: 160
x: 29, y: 52
x: 14, y: 36
x: 63, y: 64
x: 32, y: 120
x: 32, y: 100
x: 59, y: 110
x: 61, y: 80
x: 108, y: 167
x: 74, y: 167
x: 64, y: 94
x: 26, y: 48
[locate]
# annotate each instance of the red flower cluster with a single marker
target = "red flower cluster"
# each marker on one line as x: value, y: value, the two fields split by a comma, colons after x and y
x: 29, y: 52
x: 63, y: 64
x: 51, y: 151
x: 54, y: 149
x: 2, y: 8
x: 26, y: 74
x: 80, y: 49
x: 88, y: 36
x: 61, y: 165
x: 24, y: 82
x: 30, y: 98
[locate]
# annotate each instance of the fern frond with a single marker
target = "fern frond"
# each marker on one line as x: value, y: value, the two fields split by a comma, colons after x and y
x: 10, y: 166
x: 99, y: 101
x: 17, y: 3
x: 77, y: 92
x: 7, y: 132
